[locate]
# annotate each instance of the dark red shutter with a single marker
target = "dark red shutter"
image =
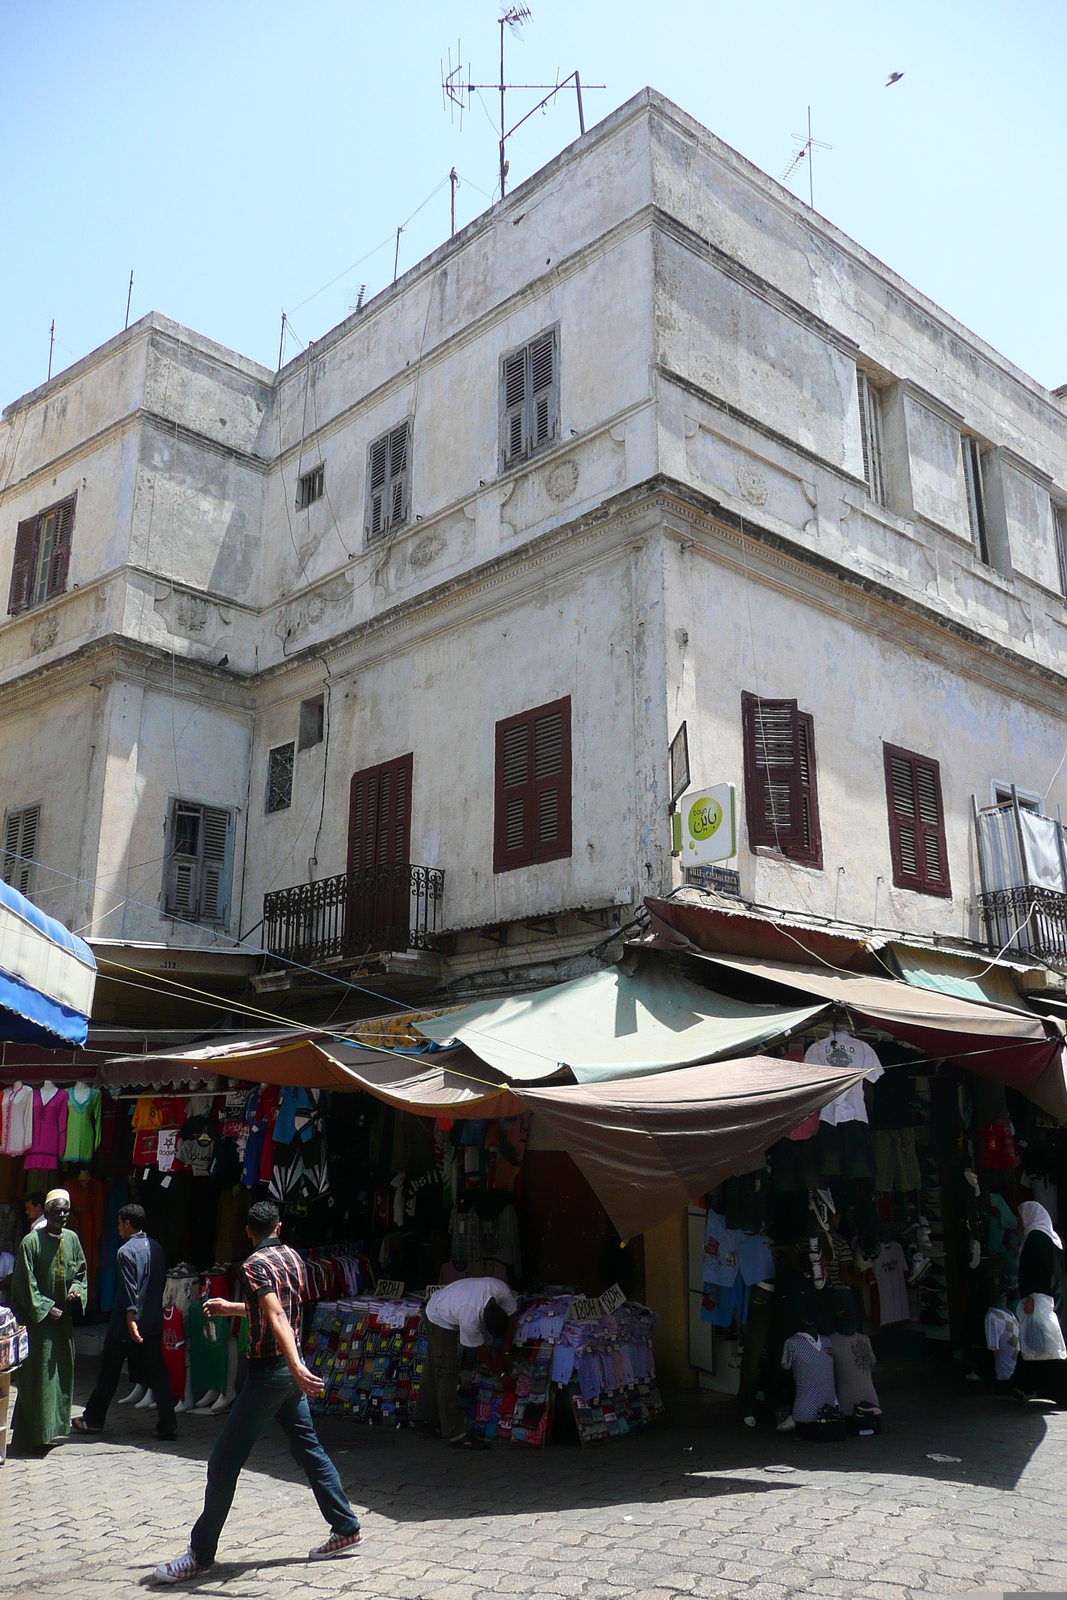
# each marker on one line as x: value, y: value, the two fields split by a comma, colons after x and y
x: 781, y: 794
x: 533, y: 787
x: 917, y: 840
x: 22, y: 566
x: 60, y: 559
x: 379, y: 849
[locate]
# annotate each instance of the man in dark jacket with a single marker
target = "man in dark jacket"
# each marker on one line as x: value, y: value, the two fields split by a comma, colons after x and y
x: 136, y: 1319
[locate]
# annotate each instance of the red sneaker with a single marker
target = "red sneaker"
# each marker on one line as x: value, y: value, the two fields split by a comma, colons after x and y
x: 338, y: 1544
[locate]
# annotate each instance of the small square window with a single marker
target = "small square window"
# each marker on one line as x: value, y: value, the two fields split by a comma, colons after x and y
x: 310, y: 486
x: 312, y: 722
x: 280, y: 778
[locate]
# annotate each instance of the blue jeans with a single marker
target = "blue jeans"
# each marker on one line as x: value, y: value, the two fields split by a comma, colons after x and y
x: 270, y: 1393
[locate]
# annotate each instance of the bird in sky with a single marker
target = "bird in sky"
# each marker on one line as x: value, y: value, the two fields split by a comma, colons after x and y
x: 894, y: 77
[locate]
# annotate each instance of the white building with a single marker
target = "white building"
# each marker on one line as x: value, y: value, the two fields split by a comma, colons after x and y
x: 646, y: 440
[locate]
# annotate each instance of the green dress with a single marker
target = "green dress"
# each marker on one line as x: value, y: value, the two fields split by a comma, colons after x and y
x: 46, y: 1269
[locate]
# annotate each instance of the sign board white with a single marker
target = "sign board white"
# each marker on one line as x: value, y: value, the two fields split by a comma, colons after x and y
x: 705, y: 826
x: 390, y: 1289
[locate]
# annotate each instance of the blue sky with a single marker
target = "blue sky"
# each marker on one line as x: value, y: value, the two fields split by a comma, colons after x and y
x: 239, y: 157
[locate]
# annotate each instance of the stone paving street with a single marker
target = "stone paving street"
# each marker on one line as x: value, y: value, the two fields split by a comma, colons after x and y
x: 696, y: 1507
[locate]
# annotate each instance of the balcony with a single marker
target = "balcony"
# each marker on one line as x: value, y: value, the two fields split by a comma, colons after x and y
x: 1022, y: 866
x: 354, y: 915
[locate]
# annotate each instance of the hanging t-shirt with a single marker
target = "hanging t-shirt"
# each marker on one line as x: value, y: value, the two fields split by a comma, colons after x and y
x: 890, y: 1274
x: 812, y: 1365
x: 853, y: 1368
x: 721, y: 1260
x: 174, y: 1350
x: 755, y: 1258
x: 840, y: 1049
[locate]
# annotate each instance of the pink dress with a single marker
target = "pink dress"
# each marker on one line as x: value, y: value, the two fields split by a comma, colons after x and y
x: 49, y: 1132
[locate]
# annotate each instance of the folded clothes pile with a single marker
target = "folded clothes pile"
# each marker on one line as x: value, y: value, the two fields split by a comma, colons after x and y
x: 369, y: 1355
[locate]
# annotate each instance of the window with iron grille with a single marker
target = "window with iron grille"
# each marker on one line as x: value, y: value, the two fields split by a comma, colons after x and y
x: 533, y: 787
x: 389, y: 481
x: 198, y: 869
x: 871, y: 438
x: 781, y: 792
x: 21, y: 829
x: 312, y: 722
x: 529, y: 398
x: 916, y: 822
x: 280, y: 778
x: 310, y: 486
x: 42, y: 557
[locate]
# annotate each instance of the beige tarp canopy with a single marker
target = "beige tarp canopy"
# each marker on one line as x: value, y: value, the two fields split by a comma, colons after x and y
x: 443, y: 1083
x: 649, y: 1146
x: 1013, y: 1046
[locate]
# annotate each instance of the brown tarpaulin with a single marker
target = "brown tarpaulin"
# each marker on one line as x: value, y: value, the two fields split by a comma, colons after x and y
x: 650, y: 1145
x: 1014, y: 1047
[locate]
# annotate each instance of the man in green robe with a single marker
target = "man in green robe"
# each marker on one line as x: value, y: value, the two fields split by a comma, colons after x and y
x: 49, y: 1278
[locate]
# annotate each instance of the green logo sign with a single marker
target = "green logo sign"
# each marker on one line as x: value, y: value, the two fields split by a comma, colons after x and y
x: 705, y: 818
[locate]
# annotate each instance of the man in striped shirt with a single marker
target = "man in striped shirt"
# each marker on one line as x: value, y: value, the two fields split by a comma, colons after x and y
x: 273, y: 1285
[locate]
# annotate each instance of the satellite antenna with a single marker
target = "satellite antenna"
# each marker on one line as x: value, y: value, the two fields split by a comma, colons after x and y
x: 457, y: 93
x: 803, y: 152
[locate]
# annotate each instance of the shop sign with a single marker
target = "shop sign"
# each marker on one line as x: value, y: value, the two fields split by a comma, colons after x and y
x: 705, y: 826
x: 599, y: 1306
x: 389, y: 1289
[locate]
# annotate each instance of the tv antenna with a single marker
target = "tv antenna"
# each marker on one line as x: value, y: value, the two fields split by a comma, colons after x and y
x: 803, y: 152
x: 455, y: 92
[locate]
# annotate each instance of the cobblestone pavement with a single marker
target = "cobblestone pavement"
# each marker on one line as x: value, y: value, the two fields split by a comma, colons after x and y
x: 696, y: 1507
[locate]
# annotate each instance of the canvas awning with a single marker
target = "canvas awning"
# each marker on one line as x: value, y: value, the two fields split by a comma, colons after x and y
x: 610, y: 1025
x: 651, y: 1145
x: 1014, y: 1047
x: 441, y: 1083
x: 966, y: 977
x: 47, y: 976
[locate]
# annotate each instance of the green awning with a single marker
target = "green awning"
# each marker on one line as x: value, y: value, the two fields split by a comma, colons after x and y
x: 610, y: 1025
x: 966, y: 977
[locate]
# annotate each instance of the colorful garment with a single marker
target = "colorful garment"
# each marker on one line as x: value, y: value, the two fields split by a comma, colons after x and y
x: 83, y: 1123
x: 47, y: 1267
x: 49, y: 1131
x: 18, y: 1120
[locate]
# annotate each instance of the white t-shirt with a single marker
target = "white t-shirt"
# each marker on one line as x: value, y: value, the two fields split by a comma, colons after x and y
x: 890, y: 1268
x: 18, y: 1119
x: 462, y: 1304
x: 850, y: 1106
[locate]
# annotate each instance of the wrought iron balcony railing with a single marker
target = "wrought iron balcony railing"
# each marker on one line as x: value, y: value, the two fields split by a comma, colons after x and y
x: 355, y: 914
x: 1029, y: 919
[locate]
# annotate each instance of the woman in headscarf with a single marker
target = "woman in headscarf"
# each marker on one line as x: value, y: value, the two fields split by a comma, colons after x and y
x: 1040, y: 1272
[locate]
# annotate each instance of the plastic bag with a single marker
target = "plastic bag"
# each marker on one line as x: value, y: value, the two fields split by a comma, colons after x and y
x: 1040, y: 1334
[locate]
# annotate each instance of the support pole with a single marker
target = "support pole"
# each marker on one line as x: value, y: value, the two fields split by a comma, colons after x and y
x: 502, y: 135
x: 581, y: 113
x: 453, y: 180
x: 129, y: 297
x: 281, y: 342
x: 51, y: 347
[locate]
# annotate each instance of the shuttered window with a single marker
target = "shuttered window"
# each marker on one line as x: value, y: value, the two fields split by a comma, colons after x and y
x: 198, y: 869
x: 379, y: 815
x: 973, y: 478
x: 280, y: 778
x: 529, y: 398
x: 916, y: 822
x: 781, y: 792
x: 21, y: 829
x: 533, y: 787
x: 389, y: 481
x: 871, y: 437
x: 42, y: 557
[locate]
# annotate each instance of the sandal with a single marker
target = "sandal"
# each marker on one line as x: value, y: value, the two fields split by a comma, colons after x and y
x: 469, y: 1443
x: 79, y: 1425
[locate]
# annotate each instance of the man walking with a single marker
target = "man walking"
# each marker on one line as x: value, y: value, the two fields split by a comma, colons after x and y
x: 137, y: 1322
x: 48, y: 1281
x: 466, y: 1312
x: 273, y: 1284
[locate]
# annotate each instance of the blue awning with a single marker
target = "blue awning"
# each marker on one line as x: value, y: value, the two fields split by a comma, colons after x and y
x: 47, y: 976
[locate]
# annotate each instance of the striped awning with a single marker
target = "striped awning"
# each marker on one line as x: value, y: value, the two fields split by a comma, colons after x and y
x: 47, y: 976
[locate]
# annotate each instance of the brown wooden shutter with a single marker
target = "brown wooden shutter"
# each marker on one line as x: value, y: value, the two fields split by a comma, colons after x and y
x: 533, y: 787
x: 22, y: 566
x: 379, y: 852
x: 916, y: 822
x: 59, y: 560
x: 781, y: 794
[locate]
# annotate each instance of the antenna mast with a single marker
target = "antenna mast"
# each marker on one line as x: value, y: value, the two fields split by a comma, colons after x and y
x: 458, y: 93
x: 803, y: 152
